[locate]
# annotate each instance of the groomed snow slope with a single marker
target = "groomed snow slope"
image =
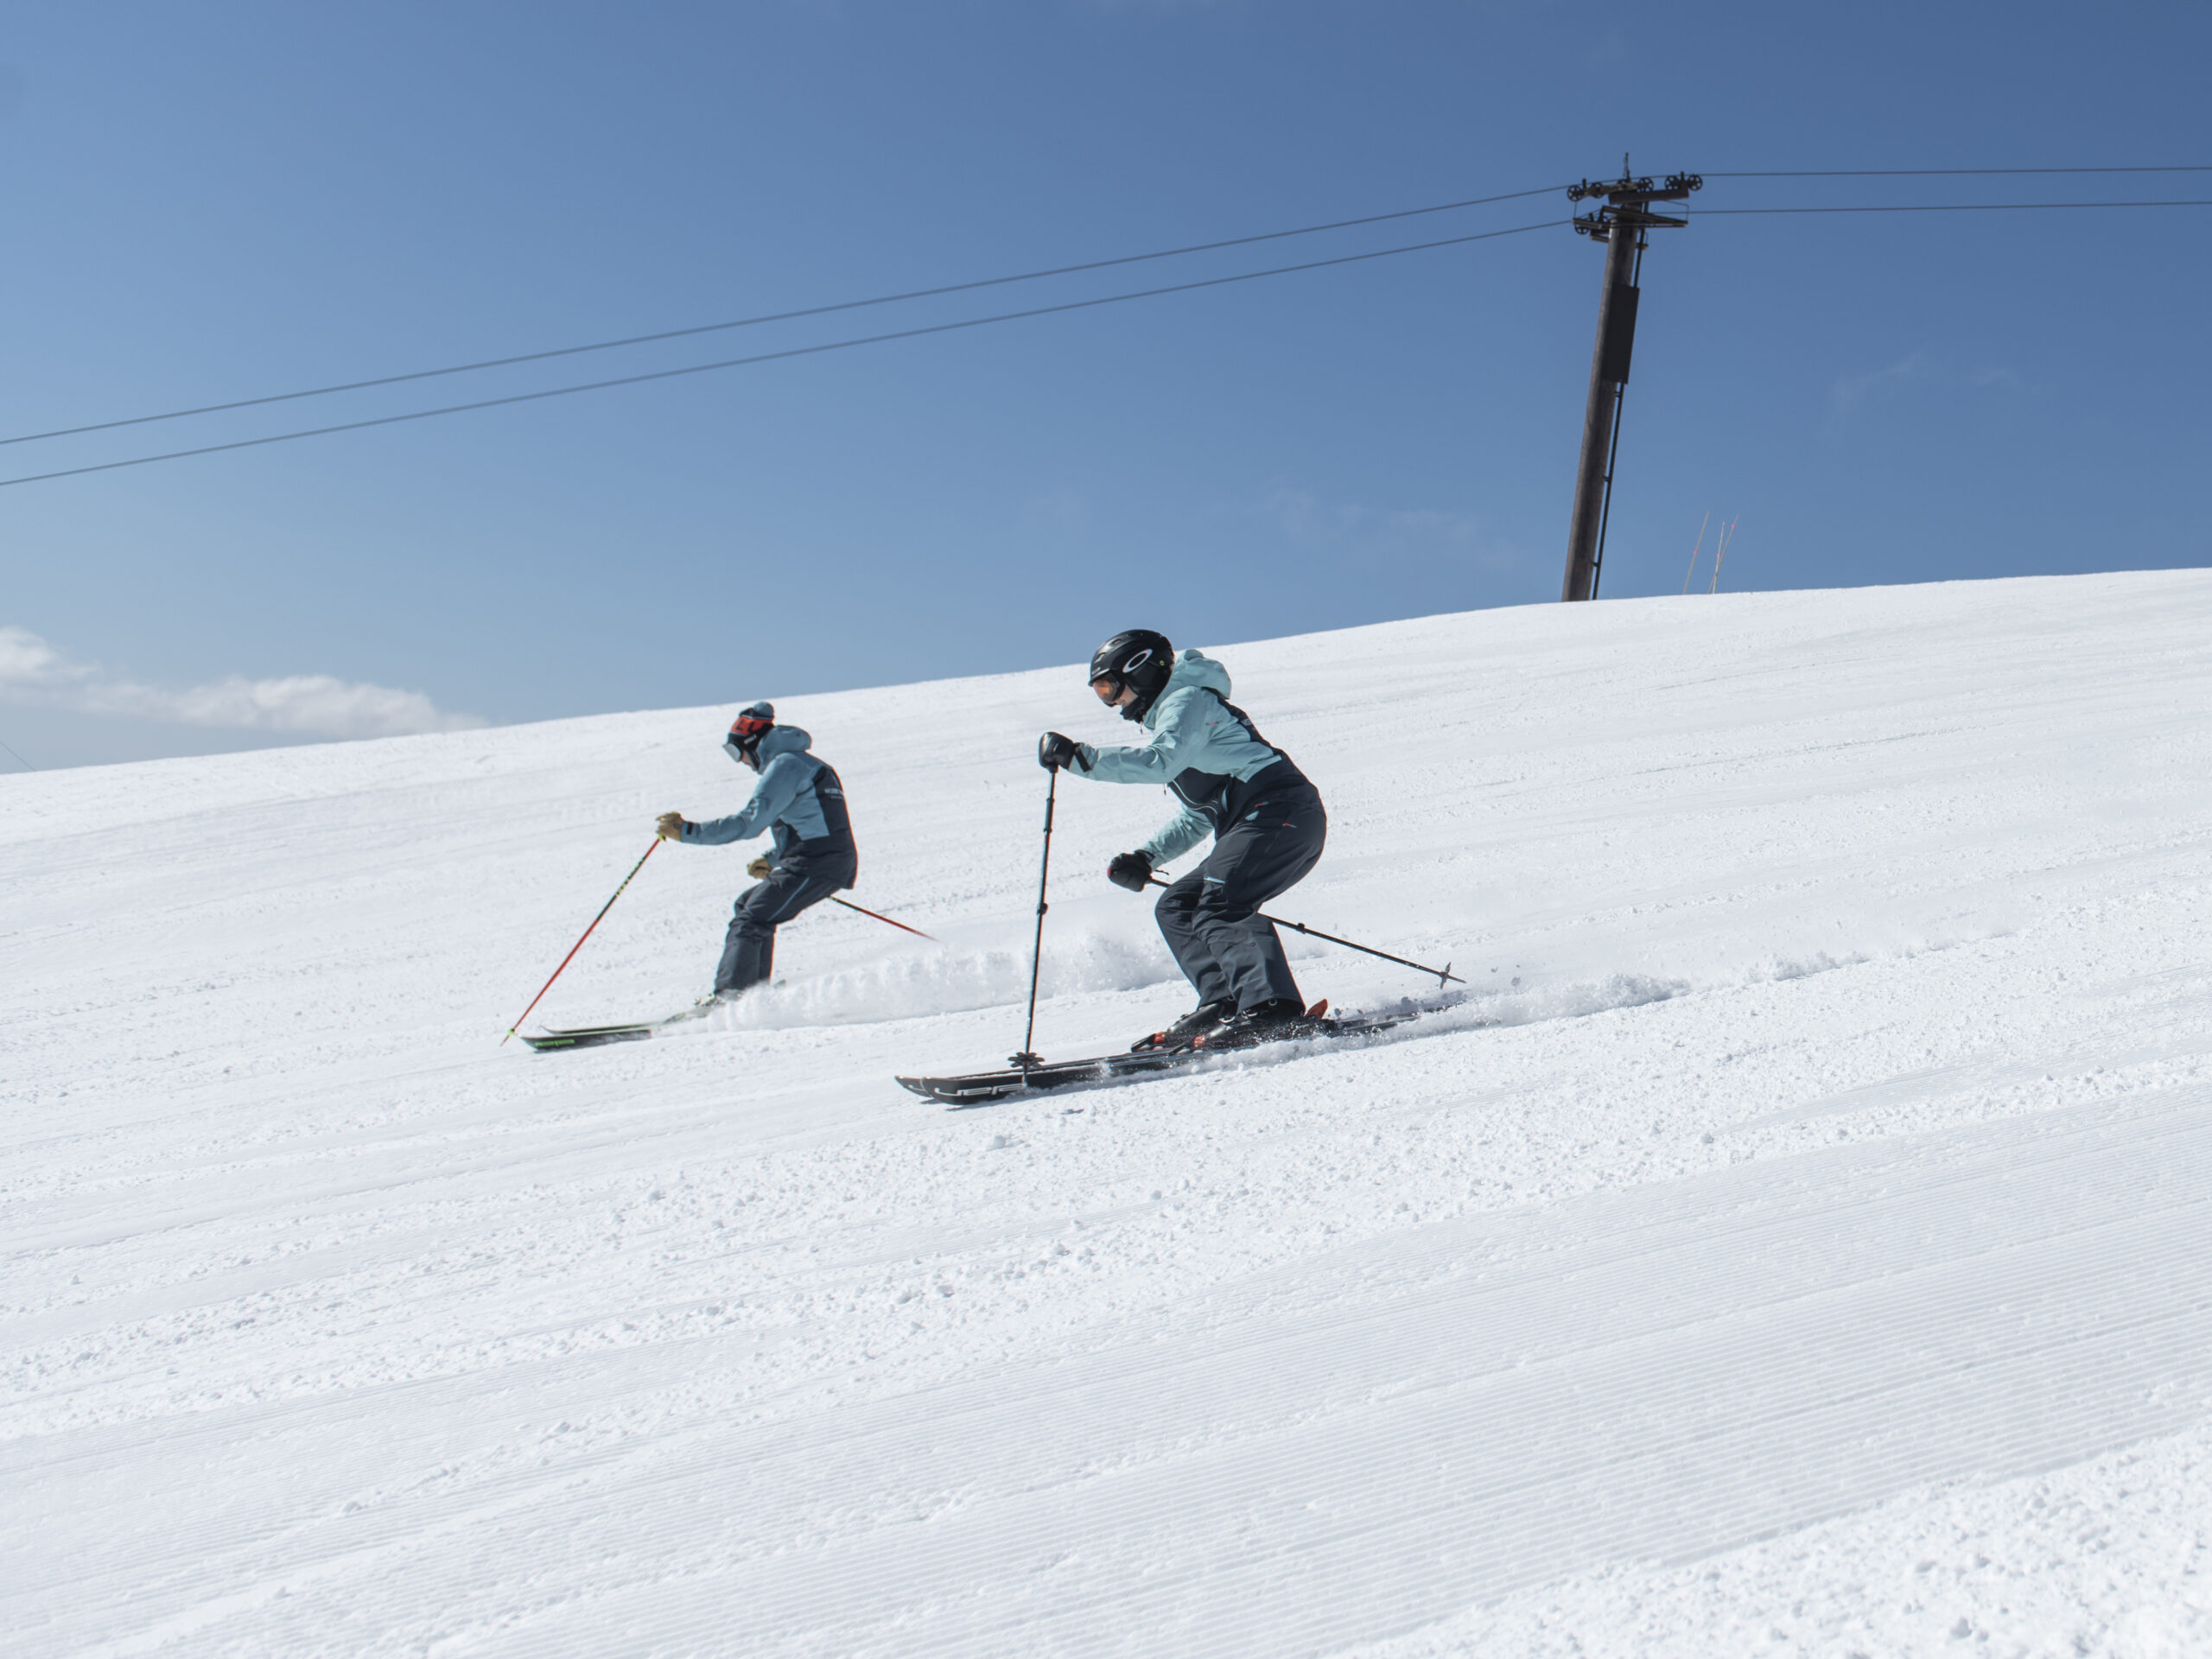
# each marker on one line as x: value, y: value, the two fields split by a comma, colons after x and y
x: 1797, y: 1240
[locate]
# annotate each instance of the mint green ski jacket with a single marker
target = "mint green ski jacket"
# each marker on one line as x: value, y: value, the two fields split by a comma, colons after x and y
x: 1201, y: 747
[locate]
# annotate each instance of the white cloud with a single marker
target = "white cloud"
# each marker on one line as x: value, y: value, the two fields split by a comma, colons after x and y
x: 34, y: 672
x: 1916, y: 369
x: 1855, y: 388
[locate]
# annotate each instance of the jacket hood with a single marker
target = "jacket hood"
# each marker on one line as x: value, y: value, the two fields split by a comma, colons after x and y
x: 784, y: 739
x: 1195, y: 668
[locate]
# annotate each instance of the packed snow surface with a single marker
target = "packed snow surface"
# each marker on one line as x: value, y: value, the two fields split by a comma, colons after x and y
x: 1795, y: 1238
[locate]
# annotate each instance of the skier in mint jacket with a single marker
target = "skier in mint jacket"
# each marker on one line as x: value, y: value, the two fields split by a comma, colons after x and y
x: 800, y: 798
x: 1265, y: 818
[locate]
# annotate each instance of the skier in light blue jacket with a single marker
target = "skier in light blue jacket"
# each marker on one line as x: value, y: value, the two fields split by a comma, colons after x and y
x: 800, y: 798
x: 1266, y: 819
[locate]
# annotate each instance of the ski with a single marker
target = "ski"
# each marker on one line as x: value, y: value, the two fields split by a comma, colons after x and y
x: 587, y: 1036
x: 981, y: 1088
x: 636, y: 1031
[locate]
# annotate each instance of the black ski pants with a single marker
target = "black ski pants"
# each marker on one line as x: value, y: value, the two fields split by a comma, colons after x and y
x: 749, y: 948
x: 1206, y: 917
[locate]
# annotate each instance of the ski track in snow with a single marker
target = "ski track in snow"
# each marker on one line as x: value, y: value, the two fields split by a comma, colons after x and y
x: 1795, y: 1240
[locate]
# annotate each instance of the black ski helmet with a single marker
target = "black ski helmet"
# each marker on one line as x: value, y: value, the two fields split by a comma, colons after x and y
x: 753, y: 723
x: 1139, y: 659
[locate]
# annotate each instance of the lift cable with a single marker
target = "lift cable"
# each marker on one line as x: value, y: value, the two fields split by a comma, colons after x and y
x: 776, y: 317
x: 796, y: 351
x: 1948, y: 172
x: 1022, y: 277
x: 1005, y: 316
x: 1944, y: 207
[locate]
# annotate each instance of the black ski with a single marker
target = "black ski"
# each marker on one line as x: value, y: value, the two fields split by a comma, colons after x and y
x: 587, y: 1036
x: 636, y: 1031
x: 981, y: 1088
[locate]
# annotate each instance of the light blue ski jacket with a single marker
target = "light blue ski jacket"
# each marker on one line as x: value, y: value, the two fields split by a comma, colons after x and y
x: 800, y: 798
x: 1202, y: 746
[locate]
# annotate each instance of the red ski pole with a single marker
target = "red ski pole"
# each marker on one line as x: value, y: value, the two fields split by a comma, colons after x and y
x: 579, y: 945
x: 865, y: 911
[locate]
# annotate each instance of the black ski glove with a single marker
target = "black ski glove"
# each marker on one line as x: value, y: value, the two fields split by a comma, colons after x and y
x: 1130, y: 870
x: 1054, y: 751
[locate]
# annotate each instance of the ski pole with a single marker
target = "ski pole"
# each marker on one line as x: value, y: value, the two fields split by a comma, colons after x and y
x: 1029, y: 1057
x: 1699, y: 549
x: 578, y: 945
x: 1442, y: 974
x: 865, y: 911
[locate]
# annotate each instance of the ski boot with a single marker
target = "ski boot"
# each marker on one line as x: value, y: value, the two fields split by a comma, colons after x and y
x: 1265, y: 1022
x: 1193, y: 1027
x: 705, y: 1006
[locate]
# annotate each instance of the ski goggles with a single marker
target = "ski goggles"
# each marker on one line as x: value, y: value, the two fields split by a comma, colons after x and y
x: 1112, y: 683
x: 744, y: 735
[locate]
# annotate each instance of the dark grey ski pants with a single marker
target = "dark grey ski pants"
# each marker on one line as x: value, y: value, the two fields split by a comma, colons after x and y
x: 749, y: 948
x: 1207, y: 917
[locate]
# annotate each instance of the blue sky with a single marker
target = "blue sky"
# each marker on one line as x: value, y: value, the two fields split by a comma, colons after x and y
x: 229, y: 201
